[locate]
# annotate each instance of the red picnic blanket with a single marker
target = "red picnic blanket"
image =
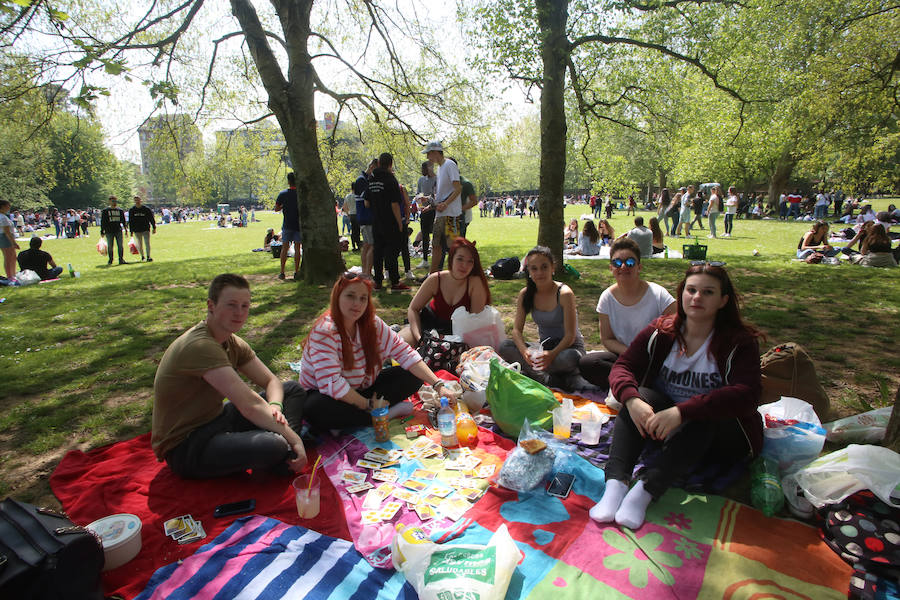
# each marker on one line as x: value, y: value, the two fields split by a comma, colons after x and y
x: 125, y: 477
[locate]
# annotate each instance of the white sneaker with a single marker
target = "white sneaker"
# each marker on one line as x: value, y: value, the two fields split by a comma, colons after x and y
x: 410, y: 275
x: 423, y: 265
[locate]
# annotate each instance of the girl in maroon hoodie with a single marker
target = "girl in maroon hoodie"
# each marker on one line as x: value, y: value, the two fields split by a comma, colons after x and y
x: 700, y: 383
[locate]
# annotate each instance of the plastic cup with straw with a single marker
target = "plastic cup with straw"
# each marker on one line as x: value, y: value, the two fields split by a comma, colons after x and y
x: 306, y: 490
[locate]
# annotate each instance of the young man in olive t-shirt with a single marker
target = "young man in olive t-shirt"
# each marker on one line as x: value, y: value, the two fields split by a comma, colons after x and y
x: 197, y: 434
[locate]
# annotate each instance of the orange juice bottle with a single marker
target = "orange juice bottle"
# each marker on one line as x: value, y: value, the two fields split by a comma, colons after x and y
x: 466, y: 428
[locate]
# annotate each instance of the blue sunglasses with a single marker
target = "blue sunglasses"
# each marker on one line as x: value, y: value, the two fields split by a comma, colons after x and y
x: 618, y: 262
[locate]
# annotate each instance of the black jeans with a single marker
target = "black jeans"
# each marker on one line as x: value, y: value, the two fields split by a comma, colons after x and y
x: 595, y: 366
x: 354, y: 232
x: 681, y: 452
x: 394, y: 384
x: 231, y: 444
x: 426, y: 223
x: 385, y: 254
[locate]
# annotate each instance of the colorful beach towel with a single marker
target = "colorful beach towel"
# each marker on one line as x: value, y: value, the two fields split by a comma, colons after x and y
x: 262, y: 558
x: 126, y: 477
x: 692, y: 546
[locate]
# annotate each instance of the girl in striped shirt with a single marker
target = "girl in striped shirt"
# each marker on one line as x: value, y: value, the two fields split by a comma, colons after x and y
x: 343, y: 357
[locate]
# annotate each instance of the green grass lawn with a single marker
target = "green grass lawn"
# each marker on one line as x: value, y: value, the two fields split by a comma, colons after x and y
x: 78, y: 356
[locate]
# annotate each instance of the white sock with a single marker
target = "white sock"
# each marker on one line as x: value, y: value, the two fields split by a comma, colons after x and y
x: 401, y: 409
x: 634, y: 507
x: 605, y: 510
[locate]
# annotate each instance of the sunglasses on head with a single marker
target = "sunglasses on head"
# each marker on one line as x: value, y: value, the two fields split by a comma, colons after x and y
x: 711, y: 263
x: 351, y: 276
x: 618, y: 262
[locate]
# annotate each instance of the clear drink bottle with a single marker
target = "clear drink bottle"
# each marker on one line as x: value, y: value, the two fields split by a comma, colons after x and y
x: 765, y: 487
x: 466, y: 428
x: 446, y: 421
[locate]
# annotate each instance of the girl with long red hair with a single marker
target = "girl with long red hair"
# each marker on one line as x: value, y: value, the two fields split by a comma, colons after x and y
x: 689, y: 380
x: 343, y: 357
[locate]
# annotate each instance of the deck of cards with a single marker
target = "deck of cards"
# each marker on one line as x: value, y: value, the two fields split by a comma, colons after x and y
x: 184, y: 529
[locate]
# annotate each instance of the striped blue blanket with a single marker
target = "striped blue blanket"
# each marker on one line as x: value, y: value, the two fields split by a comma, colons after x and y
x: 260, y: 557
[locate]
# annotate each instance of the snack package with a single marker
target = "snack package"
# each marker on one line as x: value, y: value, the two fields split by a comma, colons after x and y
x: 530, y: 462
x: 440, y: 571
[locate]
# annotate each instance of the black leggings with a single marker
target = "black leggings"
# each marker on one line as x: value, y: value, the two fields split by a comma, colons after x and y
x: 394, y: 384
x: 231, y: 444
x: 681, y: 452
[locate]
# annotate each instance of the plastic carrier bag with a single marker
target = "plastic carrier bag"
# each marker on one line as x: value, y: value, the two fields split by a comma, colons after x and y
x: 450, y: 571
x: 866, y: 428
x: 479, y: 329
x: 101, y: 246
x: 835, y: 476
x: 514, y: 397
x: 792, y: 435
x: 27, y: 277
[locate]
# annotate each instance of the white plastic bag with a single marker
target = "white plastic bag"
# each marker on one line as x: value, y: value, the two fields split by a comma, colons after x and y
x: 792, y: 433
x: 27, y: 277
x: 865, y: 428
x: 444, y: 571
x: 833, y: 477
x: 479, y: 329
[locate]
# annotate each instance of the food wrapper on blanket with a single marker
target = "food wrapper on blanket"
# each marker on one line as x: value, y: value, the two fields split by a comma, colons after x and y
x: 439, y: 571
x: 529, y: 464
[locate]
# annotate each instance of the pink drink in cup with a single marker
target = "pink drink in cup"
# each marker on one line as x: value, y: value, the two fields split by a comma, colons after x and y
x: 307, y: 496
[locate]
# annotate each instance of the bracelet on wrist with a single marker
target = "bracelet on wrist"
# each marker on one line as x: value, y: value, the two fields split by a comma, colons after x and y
x: 278, y: 404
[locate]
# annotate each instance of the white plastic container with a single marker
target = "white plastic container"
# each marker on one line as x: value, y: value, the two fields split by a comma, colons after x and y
x: 121, y: 537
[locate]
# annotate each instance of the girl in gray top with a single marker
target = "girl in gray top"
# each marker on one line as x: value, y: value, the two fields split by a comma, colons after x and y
x: 552, y: 307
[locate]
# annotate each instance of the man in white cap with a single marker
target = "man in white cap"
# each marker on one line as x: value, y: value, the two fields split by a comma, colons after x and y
x: 448, y: 208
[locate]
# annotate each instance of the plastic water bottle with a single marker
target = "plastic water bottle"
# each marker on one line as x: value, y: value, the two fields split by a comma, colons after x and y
x: 446, y: 421
x: 466, y: 428
x: 666, y: 252
x: 765, y: 487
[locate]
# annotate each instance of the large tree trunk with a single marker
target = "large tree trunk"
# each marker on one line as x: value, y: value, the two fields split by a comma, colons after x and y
x: 552, y: 16
x: 780, y: 177
x: 292, y: 101
x: 892, y: 435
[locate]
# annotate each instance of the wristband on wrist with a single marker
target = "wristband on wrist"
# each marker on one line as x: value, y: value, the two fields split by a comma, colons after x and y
x: 438, y: 384
x: 278, y: 404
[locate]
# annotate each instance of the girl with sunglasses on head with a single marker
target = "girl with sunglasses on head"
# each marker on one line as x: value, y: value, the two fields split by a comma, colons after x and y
x: 552, y: 307
x: 700, y: 367
x: 343, y: 357
x: 462, y: 284
x: 589, y: 244
x: 625, y: 307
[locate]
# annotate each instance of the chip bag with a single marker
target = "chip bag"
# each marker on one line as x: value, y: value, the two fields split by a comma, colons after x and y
x: 441, y: 571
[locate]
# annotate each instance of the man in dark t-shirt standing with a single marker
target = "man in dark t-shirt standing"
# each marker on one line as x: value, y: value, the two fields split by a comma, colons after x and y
x: 290, y: 228
x: 37, y: 260
x: 112, y: 225
x: 384, y: 200
x: 140, y: 219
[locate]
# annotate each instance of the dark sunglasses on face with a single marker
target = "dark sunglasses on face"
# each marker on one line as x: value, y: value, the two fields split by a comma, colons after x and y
x: 618, y: 262
x: 711, y: 263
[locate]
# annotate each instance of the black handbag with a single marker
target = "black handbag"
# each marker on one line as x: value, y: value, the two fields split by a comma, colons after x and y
x: 44, y: 556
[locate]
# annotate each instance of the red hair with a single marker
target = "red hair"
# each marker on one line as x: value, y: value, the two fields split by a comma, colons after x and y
x: 366, y: 323
x: 477, y: 269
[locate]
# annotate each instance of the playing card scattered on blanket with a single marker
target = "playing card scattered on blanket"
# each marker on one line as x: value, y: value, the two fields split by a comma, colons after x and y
x: 184, y: 529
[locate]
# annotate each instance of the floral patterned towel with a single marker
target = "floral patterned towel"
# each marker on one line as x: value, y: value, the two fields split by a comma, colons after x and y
x: 692, y: 546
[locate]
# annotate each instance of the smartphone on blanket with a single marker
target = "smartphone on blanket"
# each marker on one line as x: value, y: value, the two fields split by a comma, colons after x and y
x: 234, y: 508
x: 561, y: 485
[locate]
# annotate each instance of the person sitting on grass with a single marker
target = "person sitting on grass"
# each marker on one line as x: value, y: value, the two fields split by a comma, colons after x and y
x: 701, y: 366
x: 570, y: 234
x: 607, y: 233
x: 659, y: 242
x: 625, y: 308
x: 36, y: 260
x: 552, y: 307
x: 815, y: 240
x: 874, y: 248
x: 589, y: 244
x: 462, y: 284
x: 198, y: 434
x: 343, y: 357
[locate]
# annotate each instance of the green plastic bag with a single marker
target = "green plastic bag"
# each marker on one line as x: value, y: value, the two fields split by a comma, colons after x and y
x: 514, y: 397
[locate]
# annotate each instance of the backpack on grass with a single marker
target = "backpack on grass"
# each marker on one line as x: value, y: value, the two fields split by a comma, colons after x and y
x: 787, y: 370
x: 505, y: 268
